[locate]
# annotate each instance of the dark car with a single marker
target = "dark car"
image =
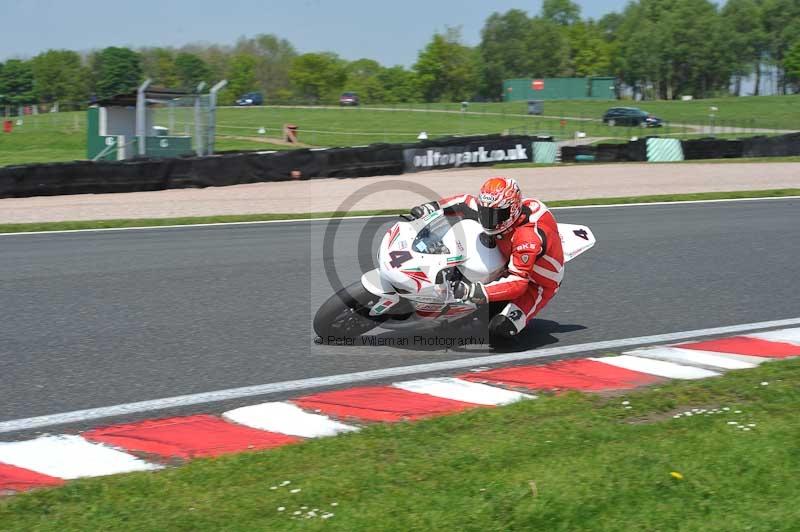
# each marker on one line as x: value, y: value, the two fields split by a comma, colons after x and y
x: 348, y: 98
x: 630, y: 116
x: 251, y: 98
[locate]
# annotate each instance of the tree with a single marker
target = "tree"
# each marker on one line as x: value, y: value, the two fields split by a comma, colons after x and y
x: 562, y: 12
x: 363, y: 77
x: 743, y: 21
x: 699, y: 60
x: 399, y: 85
x: 190, y: 70
x: 792, y: 65
x: 590, y: 53
x: 16, y: 83
x: 547, y: 49
x: 504, y: 50
x: 318, y: 76
x: 781, y: 20
x: 217, y: 58
x: 116, y: 71
x: 609, y: 24
x: 241, y: 77
x: 59, y: 76
x: 274, y: 58
x: 446, y: 69
x: 673, y: 47
x: 158, y: 64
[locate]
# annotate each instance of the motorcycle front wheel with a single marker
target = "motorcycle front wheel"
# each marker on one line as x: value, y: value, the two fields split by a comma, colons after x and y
x: 346, y: 314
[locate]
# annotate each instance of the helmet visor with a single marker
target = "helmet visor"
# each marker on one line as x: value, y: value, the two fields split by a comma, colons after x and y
x: 493, y: 217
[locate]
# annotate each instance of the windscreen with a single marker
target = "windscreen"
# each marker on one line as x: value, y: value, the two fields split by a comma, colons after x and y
x: 429, y: 239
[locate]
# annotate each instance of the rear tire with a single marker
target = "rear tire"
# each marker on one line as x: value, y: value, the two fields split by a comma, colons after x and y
x: 346, y: 314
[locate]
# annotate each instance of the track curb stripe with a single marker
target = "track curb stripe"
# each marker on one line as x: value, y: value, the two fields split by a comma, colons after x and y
x: 790, y: 336
x: 286, y: 418
x: 381, y: 403
x: 49, y: 460
x: 690, y: 357
x: 187, y: 437
x: 463, y: 390
x: 582, y: 374
x: 659, y: 368
x: 745, y: 345
x: 69, y: 457
x: 14, y: 478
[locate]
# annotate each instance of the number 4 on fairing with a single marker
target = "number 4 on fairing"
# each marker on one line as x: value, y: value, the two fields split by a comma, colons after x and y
x: 575, y: 239
x: 399, y: 258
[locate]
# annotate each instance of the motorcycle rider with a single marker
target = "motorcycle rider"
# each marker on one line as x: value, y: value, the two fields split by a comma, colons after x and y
x: 526, y: 233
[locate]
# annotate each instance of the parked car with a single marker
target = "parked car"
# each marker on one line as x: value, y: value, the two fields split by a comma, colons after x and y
x: 630, y: 116
x: 348, y: 98
x: 251, y: 98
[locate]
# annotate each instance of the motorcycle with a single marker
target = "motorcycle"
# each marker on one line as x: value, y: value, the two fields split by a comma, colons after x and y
x: 419, y: 263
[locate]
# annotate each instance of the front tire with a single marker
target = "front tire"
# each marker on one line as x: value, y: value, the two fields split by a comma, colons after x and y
x: 346, y: 314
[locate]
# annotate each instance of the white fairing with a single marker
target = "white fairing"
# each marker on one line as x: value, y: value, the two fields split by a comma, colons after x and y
x: 575, y: 239
x: 483, y: 264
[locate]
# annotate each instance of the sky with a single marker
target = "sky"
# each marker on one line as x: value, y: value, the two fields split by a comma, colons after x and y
x: 390, y: 32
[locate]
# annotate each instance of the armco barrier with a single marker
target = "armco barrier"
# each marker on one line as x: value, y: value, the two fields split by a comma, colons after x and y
x: 711, y: 149
x: 780, y: 146
x: 81, y: 177
x: 607, y: 153
x: 568, y: 153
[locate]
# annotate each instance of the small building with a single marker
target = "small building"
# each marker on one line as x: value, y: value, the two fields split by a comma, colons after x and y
x: 591, y: 88
x: 117, y: 125
x: 124, y: 126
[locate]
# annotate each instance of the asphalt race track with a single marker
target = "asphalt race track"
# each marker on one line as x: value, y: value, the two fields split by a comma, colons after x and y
x: 93, y: 319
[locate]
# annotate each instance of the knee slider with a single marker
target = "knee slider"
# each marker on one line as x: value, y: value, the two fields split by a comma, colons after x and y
x: 503, y: 327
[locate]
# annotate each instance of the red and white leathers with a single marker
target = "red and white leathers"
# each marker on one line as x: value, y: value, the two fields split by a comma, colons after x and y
x: 535, y: 258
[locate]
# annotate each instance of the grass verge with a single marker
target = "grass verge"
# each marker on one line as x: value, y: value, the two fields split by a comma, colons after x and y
x: 568, y: 462
x: 195, y: 220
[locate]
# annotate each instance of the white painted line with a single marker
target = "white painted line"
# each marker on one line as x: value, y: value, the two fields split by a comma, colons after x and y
x: 691, y: 357
x: 657, y: 367
x: 70, y: 457
x: 461, y: 390
x: 378, y: 374
x: 790, y: 336
x: 189, y: 226
x: 287, y: 418
x: 645, y: 204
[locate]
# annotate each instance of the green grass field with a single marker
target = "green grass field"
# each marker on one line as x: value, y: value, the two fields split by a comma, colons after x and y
x: 61, y: 137
x: 559, y: 463
x: 771, y: 112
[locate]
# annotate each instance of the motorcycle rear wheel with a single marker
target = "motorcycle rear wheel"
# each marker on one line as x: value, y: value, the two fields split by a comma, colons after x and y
x: 346, y: 314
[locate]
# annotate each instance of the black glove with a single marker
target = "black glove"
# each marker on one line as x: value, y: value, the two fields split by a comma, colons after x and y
x: 426, y: 208
x: 474, y: 292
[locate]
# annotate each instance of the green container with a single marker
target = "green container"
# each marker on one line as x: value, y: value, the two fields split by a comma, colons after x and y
x: 597, y: 88
x: 168, y: 146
